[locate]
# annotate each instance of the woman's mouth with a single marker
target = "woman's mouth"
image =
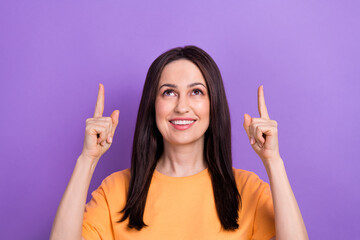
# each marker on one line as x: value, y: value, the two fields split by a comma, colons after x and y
x: 182, y: 124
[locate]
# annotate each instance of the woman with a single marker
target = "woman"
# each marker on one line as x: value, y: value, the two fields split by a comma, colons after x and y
x: 181, y: 184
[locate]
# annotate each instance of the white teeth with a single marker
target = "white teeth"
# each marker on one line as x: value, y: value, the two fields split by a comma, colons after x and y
x: 182, y: 122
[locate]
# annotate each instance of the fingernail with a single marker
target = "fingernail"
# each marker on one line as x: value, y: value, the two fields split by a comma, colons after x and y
x: 110, y: 139
x: 252, y: 141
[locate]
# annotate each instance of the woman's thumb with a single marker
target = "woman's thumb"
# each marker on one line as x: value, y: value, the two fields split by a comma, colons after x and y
x: 115, y: 120
x: 247, y: 122
x: 115, y: 116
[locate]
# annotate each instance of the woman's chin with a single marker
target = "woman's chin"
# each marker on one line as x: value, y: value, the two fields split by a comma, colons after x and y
x: 185, y: 141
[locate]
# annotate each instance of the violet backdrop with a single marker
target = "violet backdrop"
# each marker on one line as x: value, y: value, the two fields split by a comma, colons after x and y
x: 53, y: 54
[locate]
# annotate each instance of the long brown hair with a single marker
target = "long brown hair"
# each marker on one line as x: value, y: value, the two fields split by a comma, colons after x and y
x: 148, y: 142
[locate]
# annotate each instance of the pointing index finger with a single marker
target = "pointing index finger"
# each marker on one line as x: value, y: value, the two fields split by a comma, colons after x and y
x: 261, y: 103
x: 99, y: 108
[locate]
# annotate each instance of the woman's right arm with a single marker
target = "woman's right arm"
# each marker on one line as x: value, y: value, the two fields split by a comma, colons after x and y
x: 98, y: 138
x: 69, y: 216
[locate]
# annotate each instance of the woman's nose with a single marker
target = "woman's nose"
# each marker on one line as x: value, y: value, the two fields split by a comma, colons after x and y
x: 182, y: 105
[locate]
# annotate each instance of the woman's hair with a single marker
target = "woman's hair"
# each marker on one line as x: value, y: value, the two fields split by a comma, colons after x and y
x: 148, y: 142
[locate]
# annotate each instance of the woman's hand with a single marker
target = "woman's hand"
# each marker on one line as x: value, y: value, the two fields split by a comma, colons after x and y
x: 263, y: 132
x: 99, y: 130
x: 263, y: 135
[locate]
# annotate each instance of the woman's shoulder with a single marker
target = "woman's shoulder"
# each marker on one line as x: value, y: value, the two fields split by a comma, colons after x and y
x: 244, y: 174
x: 117, y: 179
x: 112, y: 190
x: 246, y: 178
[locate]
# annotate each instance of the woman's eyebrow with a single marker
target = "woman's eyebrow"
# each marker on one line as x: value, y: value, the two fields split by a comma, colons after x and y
x: 168, y: 85
x: 175, y: 86
x: 194, y: 84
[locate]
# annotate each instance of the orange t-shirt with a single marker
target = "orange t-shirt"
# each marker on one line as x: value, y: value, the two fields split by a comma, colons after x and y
x: 179, y: 208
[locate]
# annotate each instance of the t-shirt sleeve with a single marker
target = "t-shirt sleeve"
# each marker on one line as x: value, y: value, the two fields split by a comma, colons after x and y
x: 264, y: 220
x: 97, y: 221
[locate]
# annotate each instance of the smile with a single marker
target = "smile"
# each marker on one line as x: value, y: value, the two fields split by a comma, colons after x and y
x: 182, y: 124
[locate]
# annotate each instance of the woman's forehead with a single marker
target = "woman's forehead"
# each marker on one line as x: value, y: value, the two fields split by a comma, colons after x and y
x: 180, y: 72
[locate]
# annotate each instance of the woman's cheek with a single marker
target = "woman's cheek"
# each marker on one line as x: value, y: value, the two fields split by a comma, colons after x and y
x: 203, y: 108
x: 162, y: 111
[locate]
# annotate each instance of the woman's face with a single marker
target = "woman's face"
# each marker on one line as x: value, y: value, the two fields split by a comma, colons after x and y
x: 182, y: 103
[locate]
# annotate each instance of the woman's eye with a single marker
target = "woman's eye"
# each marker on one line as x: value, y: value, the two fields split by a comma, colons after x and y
x: 169, y: 92
x: 197, y: 92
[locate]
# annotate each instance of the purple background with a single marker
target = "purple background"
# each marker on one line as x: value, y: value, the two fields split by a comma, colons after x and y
x: 53, y: 54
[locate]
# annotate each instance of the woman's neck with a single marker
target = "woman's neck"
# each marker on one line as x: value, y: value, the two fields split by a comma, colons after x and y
x: 182, y: 160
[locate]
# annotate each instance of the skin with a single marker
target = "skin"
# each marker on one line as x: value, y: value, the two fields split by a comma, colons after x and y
x: 182, y: 155
x: 69, y: 216
x: 263, y: 135
x: 182, y: 93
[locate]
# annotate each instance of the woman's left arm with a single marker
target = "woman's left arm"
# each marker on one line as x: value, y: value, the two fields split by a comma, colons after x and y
x: 263, y: 136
